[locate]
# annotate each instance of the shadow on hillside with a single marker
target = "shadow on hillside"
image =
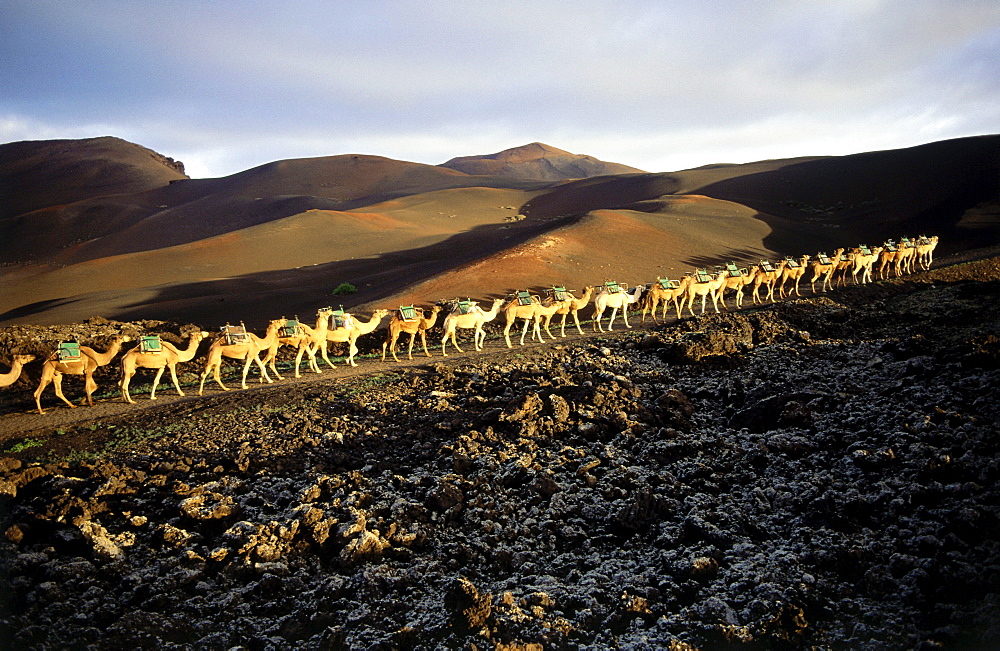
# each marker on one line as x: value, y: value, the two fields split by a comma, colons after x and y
x: 256, y: 298
x: 35, y: 308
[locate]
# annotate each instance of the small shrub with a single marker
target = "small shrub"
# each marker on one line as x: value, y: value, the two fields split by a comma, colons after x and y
x: 20, y: 446
x: 344, y: 288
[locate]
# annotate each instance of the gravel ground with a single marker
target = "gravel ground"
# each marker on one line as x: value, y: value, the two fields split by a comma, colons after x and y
x: 821, y: 472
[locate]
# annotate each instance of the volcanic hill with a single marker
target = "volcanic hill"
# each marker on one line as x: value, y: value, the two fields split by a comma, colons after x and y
x: 105, y: 227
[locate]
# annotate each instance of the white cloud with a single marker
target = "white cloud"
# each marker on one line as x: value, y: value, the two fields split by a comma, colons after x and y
x: 226, y: 85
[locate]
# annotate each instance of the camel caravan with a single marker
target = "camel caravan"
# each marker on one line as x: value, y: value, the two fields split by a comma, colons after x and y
x: 535, y: 312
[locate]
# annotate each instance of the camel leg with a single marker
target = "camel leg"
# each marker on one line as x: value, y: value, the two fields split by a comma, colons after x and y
x: 536, y: 330
x: 298, y: 360
x: 625, y: 316
x: 89, y: 387
x: 123, y: 385
x: 611, y: 321
x: 216, y: 375
x: 47, y: 376
x: 409, y: 351
x: 576, y: 319
x: 506, y: 333
x: 311, y: 352
x: 562, y: 328
x: 325, y: 354
x: 264, y: 377
x: 246, y: 370
x: 156, y: 382
x: 173, y: 376
x: 352, y: 350
x: 272, y: 355
x: 524, y: 330
x: 57, y: 384
x: 423, y: 341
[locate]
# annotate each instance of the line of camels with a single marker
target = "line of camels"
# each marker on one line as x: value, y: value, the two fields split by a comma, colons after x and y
x: 312, y: 341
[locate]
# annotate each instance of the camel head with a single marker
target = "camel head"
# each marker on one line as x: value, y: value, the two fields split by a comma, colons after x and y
x: 23, y: 359
x: 380, y: 314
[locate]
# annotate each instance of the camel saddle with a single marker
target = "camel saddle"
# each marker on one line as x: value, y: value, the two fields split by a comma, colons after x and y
x: 890, y: 246
x: 823, y: 258
x: 291, y: 328
x: 234, y: 334
x: 905, y: 241
x: 408, y: 312
x: 734, y: 271
x: 702, y: 276
x: 150, y: 344
x: 792, y: 263
x: 865, y: 250
x: 666, y: 283
x: 464, y: 306
x: 524, y: 298
x: 68, y: 351
x: 558, y: 293
x: 923, y: 240
x: 766, y: 266
x: 612, y: 287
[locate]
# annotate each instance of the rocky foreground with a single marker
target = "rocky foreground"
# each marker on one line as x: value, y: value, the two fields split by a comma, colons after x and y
x: 820, y: 472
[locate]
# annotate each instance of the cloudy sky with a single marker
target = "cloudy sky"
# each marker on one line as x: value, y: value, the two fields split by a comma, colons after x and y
x: 657, y: 84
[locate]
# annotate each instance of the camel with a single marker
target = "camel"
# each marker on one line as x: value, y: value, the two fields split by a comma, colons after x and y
x: 168, y: 357
x: 907, y: 256
x: 419, y: 325
x: 767, y: 278
x: 925, y: 251
x: 349, y: 333
x: 737, y: 283
x: 248, y: 350
x: 88, y: 361
x: 304, y: 339
x: 657, y: 293
x: 616, y: 301
x: 291, y: 334
x: 704, y: 289
x: 533, y: 312
x: 888, y: 260
x: 793, y: 273
x: 9, y: 378
x: 824, y: 270
x: 573, y: 305
x: 472, y: 320
x: 863, y: 263
x: 838, y: 277
x: 313, y: 339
